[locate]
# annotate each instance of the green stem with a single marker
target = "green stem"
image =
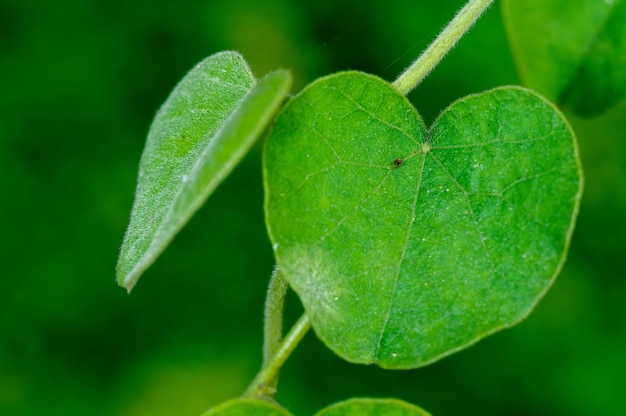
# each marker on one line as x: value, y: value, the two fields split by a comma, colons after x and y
x: 273, y: 324
x: 259, y: 386
x: 462, y: 22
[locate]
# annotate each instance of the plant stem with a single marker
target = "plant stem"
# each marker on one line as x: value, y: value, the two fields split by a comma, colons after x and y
x: 462, y: 22
x: 273, y: 323
x: 259, y: 386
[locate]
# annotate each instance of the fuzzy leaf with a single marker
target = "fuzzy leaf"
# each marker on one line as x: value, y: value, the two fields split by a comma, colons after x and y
x: 372, y: 407
x: 573, y: 51
x: 203, y: 130
x: 247, y: 407
x: 406, y: 244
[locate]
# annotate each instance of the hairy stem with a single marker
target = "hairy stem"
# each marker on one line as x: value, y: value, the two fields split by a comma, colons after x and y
x: 273, y: 324
x: 462, y: 22
x: 259, y: 386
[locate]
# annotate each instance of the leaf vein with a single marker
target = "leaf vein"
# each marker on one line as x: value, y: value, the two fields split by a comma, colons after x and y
x: 375, y: 117
x: 357, y: 207
x: 466, y: 194
x: 402, y: 256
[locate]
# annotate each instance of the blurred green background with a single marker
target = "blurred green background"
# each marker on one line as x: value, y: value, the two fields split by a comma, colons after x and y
x: 80, y: 82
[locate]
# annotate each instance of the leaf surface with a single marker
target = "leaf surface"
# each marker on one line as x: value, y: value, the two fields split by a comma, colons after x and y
x: 406, y: 244
x: 572, y: 51
x: 372, y: 407
x: 206, y: 126
x: 247, y: 407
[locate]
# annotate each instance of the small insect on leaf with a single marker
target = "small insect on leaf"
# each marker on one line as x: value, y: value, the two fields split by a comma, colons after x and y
x: 397, y: 163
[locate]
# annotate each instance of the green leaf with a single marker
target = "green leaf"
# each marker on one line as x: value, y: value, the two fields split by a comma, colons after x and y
x: 574, y: 52
x: 206, y: 126
x: 372, y: 407
x: 406, y: 244
x: 247, y: 407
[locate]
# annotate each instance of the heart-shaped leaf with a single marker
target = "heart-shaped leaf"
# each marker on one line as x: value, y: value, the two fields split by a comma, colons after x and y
x: 206, y: 126
x: 372, y: 407
x: 572, y: 51
x: 247, y: 407
x: 406, y: 244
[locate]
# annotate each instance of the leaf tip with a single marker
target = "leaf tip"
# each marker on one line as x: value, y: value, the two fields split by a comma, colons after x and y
x: 129, y: 284
x: 125, y: 279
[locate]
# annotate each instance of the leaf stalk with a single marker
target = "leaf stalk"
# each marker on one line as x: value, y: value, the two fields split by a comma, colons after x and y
x: 447, y: 39
x: 261, y: 386
x: 273, y: 322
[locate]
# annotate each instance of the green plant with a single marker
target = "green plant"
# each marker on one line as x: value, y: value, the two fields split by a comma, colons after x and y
x: 404, y: 243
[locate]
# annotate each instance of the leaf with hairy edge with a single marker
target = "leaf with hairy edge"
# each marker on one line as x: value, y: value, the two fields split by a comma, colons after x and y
x: 372, y: 407
x: 203, y: 130
x: 573, y: 51
x: 406, y: 244
x: 247, y: 407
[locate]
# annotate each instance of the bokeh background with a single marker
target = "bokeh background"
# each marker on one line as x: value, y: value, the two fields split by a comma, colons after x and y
x: 79, y: 84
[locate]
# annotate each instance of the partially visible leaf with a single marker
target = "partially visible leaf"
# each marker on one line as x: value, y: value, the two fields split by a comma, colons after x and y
x: 406, y: 244
x: 247, y: 407
x: 572, y: 51
x: 372, y: 407
x: 203, y: 130
x: 600, y: 82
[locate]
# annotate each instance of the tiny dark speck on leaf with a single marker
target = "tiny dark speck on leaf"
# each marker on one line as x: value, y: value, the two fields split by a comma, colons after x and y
x: 397, y: 163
